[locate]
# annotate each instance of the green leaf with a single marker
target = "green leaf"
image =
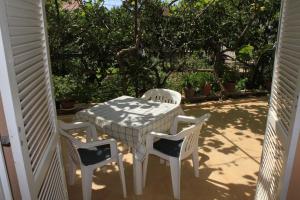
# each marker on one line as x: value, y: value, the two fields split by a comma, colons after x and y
x: 247, y: 51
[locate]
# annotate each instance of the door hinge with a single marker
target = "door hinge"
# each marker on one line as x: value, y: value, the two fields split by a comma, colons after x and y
x: 5, y: 141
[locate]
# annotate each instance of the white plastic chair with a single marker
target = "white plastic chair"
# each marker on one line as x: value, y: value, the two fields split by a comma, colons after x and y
x: 176, y: 147
x: 163, y: 95
x: 91, y: 155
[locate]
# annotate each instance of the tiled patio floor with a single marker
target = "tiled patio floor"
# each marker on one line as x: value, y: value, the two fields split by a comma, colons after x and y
x: 229, y: 149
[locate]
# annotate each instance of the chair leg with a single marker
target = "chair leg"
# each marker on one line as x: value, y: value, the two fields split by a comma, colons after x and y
x: 175, y: 166
x: 87, y: 178
x: 122, y: 175
x: 145, y: 166
x: 196, y: 163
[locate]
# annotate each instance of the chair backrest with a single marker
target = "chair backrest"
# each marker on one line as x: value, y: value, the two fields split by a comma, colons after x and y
x: 190, y: 141
x: 163, y: 95
x: 70, y: 142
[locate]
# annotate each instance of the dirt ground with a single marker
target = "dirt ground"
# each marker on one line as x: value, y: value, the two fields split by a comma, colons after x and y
x: 229, y: 149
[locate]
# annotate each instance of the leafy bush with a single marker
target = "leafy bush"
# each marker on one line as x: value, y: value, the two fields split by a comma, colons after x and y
x: 64, y: 87
x: 174, y: 82
x: 241, y: 84
x: 230, y: 76
x: 197, y: 80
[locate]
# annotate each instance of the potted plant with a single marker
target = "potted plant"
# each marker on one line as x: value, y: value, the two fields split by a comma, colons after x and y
x: 189, y: 91
x: 229, y: 80
x: 207, y: 89
x: 198, y: 83
x: 206, y: 80
x: 64, y: 88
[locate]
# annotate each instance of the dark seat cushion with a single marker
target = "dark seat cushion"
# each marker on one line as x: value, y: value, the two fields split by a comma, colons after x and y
x: 169, y: 147
x: 93, y: 156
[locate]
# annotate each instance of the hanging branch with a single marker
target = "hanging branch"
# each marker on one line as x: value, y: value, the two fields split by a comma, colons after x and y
x: 57, y: 10
x: 172, y: 2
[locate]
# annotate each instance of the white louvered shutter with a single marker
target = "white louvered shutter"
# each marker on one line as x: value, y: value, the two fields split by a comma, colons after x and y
x: 282, y: 127
x: 28, y: 101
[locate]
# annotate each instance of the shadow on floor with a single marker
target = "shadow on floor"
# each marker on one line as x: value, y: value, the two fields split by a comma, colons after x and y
x: 229, y: 151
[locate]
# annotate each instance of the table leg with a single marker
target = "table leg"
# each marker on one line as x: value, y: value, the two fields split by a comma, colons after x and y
x: 137, y: 174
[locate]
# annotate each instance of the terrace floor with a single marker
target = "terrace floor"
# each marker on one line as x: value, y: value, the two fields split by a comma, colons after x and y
x: 229, y: 149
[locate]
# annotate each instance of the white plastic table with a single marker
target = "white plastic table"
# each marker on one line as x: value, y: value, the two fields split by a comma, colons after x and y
x: 129, y: 119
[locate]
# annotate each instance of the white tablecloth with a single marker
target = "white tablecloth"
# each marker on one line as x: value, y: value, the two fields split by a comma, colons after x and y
x: 129, y: 119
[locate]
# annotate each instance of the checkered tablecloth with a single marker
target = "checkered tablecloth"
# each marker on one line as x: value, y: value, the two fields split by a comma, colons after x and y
x: 129, y: 119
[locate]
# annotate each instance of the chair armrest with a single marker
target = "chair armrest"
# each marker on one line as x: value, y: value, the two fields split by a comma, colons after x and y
x: 165, y: 136
x: 181, y: 118
x: 89, y: 145
x: 91, y: 130
x: 96, y: 143
x: 187, y: 119
x: 73, y: 125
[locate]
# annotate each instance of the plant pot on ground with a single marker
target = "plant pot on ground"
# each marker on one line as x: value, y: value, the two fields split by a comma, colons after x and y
x: 197, y: 83
x: 229, y: 87
x: 189, y: 91
x: 67, y: 103
x: 64, y: 88
x: 207, y: 89
x: 229, y: 81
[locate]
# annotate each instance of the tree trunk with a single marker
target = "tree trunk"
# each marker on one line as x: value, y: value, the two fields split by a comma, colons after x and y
x: 218, y: 67
x: 124, y: 54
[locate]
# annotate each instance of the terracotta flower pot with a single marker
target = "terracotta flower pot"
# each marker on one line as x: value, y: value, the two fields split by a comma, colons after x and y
x: 67, y: 104
x: 206, y: 89
x: 189, y: 92
x: 229, y: 87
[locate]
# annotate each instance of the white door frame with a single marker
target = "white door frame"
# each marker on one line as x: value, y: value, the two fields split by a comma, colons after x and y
x: 5, y: 190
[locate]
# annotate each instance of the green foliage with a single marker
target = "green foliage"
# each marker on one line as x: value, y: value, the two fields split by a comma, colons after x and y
x: 175, y: 82
x: 246, y: 52
x: 241, y: 84
x: 64, y: 87
x: 197, y: 80
x: 84, y: 43
x: 230, y: 76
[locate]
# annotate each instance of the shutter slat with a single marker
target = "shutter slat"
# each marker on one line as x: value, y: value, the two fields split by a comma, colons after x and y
x: 291, y: 67
x: 34, y: 112
x: 30, y: 87
x: 33, y: 117
x: 39, y: 127
x: 27, y: 5
x: 19, y: 59
x: 26, y: 47
x: 283, y: 83
x: 52, y: 186
x: 290, y: 77
x: 19, y: 12
x: 29, y: 100
x: 27, y: 63
x: 38, y: 143
x: 20, y: 40
x: 30, y: 74
x: 20, y: 31
x: 23, y: 22
x: 32, y: 107
x: 41, y: 149
x: 31, y: 77
x: 291, y: 49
